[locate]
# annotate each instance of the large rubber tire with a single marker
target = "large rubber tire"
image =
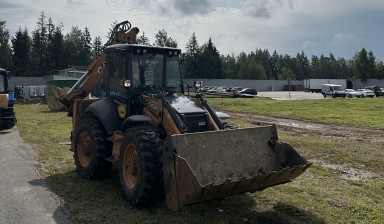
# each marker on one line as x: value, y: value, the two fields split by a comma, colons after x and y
x: 140, y: 166
x: 91, y: 149
x: 53, y: 103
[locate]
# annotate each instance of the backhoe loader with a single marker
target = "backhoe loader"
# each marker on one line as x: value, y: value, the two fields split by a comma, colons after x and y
x: 167, y: 144
x: 7, y: 114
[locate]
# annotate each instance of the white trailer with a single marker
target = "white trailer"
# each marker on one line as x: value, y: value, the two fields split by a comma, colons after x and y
x: 314, y: 85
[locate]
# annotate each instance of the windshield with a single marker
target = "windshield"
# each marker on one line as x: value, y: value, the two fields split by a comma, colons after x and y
x: 338, y: 88
x: 148, y: 71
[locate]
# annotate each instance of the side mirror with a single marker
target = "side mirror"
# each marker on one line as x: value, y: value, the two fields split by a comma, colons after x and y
x: 9, y: 75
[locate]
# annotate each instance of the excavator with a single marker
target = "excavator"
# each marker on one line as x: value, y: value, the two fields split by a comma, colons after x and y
x: 168, y: 145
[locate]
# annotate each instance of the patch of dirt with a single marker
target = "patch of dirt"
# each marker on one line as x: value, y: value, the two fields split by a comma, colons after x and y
x: 328, y: 130
x: 347, y: 173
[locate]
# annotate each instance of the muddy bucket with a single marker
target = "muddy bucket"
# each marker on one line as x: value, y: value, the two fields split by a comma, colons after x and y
x: 203, y: 166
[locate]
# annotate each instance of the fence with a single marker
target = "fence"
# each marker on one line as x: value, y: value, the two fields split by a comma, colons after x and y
x: 25, y: 92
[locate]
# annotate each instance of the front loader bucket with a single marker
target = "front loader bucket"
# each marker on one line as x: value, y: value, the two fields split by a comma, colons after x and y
x: 202, y: 166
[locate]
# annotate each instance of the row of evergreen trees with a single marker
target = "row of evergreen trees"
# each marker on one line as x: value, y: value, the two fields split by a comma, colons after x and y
x: 49, y: 49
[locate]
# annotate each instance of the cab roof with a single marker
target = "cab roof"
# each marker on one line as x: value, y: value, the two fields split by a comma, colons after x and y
x: 135, y: 48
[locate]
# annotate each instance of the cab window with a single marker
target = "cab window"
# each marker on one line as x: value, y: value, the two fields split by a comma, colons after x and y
x: 2, y: 86
x: 118, y: 71
x: 147, y: 70
x: 173, y: 74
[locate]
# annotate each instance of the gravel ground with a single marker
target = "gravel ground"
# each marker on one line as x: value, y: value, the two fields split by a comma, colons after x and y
x: 24, y: 196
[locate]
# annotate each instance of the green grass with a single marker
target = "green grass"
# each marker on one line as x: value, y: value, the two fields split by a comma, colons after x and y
x: 320, y: 195
x: 357, y: 112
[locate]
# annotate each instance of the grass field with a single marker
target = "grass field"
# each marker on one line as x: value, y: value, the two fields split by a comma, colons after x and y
x: 357, y: 112
x: 323, y: 194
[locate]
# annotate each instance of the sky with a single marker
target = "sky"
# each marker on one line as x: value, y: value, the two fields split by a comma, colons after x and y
x: 340, y: 27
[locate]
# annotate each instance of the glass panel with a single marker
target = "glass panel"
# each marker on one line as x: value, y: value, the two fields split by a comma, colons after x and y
x: 173, y: 74
x: 118, y: 70
x: 147, y: 71
x: 2, y: 86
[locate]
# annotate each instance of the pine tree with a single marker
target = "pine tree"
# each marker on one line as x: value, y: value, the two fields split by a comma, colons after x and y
x: 5, y: 49
x: 163, y: 40
x: 143, y: 40
x: 50, y: 64
x: 274, y: 65
x: 21, y: 45
x: 57, y: 49
x: 86, y: 47
x: 361, y: 65
x: 209, y: 62
x: 189, y: 64
x: 39, y: 47
x: 97, y: 47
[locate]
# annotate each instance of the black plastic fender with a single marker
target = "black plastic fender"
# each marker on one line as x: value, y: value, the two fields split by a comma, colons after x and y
x: 106, y: 111
x: 134, y: 120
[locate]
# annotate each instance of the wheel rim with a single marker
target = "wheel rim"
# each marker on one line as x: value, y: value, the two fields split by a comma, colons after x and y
x: 84, y: 147
x: 130, y: 166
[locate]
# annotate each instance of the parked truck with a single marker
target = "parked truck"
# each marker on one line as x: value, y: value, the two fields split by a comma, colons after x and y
x: 314, y: 85
x: 7, y: 115
x: 333, y: 90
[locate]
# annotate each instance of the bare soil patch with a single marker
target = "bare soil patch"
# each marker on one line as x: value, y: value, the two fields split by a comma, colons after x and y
x: 327, y: 130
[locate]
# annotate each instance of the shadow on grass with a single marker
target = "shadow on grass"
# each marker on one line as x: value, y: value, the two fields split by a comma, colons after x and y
x: 51, y: 112
x: 100, y: 201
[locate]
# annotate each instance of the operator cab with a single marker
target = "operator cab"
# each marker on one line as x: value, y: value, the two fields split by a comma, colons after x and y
x: 138, y: 68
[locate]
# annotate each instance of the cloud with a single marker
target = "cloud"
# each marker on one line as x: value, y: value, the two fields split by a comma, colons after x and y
x: 265, y: 8
x: 288, y: 26
x: 174, y: 7
x: 193, y: 7
x: 8, y: 5
x: 343, y: 39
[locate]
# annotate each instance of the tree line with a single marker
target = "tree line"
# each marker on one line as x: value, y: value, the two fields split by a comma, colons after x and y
x: 49, y: 49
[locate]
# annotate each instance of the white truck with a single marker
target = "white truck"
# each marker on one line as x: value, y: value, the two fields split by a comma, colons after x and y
x: 333, y: 90
x: 314, y: 85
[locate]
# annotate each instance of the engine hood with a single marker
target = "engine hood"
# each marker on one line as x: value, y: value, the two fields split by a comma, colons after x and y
x: 183, y: 104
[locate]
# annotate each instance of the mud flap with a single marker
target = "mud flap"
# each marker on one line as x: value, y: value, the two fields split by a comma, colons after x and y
x: 203, y: 166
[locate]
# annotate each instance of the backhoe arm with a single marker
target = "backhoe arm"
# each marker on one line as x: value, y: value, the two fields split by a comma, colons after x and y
x: 97, y: 70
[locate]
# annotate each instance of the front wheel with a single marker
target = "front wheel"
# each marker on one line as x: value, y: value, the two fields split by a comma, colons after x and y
x: 91, y: 149
x: 140, y: 166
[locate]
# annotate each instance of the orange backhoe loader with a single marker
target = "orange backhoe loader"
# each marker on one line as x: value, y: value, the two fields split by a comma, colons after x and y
x: 167, y: 144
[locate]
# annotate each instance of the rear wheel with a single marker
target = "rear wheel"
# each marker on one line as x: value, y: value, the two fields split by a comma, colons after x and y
x: 91, y: 149
x: 140, y: 166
